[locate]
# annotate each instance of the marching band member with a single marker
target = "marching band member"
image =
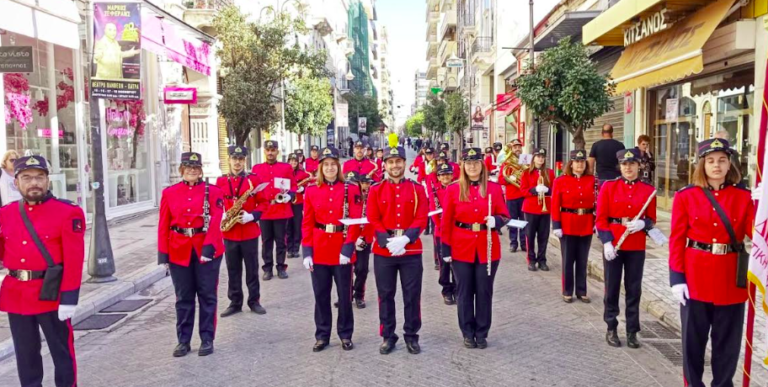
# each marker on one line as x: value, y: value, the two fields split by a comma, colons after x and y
x: 241, y: 242
x: 379, y: 160
x: 427, y: 168
x: 42, y: 288
x: 417, y: 161
x: 369, y: 153
x: 536, y: 183
x: 573, y: 208
x: 489, y: 159
x: 514, y: 196
x: 443, y: 158
x: 328, y: 247
x: 359, y: 163
x: 473, y: 208
x: 363, y: 243
x: 293, y: 234
x: 299, y: 156
x: 436, y: 188
x: 274, y: 221
x: 444, y: 147
x: 703, y: 263
x: 189, y: 241
x: 397, y: 210
x: 618, y: 203
x: 311, y: 164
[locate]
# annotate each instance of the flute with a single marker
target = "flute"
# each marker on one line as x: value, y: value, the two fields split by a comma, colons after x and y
x: 642, y: 211
x: 490, y: 240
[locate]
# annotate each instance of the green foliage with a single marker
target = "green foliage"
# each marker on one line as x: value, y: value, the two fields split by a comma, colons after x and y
x: 361, y: 105
x: 434, y: 115
x: 308, y: 106
x: 255, y: 59
x: 414, y: 123
x: 456, y: 113
x: 566, y: 88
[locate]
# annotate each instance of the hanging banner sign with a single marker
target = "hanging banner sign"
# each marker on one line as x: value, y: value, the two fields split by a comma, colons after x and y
x: 179, y: 95
x: 16, y: 59
x: 116, y: 51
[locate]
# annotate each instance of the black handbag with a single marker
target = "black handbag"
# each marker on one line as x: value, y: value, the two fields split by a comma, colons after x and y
x: 54, y: 273
x: 742, y: 260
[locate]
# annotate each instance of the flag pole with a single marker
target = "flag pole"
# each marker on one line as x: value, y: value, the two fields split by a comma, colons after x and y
x: 749, y: 335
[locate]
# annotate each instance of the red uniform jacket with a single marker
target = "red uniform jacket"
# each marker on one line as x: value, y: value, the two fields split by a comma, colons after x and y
x: 462, y: 244
x: 311, y: 165
x: 362, y: 167
x: 233, y: 187
x: 60, y: 224
x: 379, y: 172
x: 528, y: 182
x: 268, y: 173
x: 182, y: 206
x: 490, y: 163
x: 300, y: 176
x: 435, y: 195
x: 621, y: 198
x: 573, y: 193
x: 422, y: 173
x: 397, y: 206
x: 511, y: 192
x: 710, y: 278
x: 417, y: 163
x: 325, y: 205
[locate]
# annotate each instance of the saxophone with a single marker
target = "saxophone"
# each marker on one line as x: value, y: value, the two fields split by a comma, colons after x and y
x: 301, y: 184
x: 233, y: 214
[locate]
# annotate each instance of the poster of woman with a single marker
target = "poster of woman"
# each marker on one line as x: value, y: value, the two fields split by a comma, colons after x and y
x: 116, y: 51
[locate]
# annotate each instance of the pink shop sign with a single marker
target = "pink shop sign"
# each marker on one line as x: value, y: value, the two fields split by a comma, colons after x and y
x: 179, y: 95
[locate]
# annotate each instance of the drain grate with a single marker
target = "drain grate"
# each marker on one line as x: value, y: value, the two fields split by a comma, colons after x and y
x: 657, y: 330
x: 672, y: 351
x: 126, y: 306
x: 98, y: 321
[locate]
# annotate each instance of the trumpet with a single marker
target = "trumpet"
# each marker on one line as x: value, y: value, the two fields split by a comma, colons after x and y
x: 282, y: 197
x: 542, y: 196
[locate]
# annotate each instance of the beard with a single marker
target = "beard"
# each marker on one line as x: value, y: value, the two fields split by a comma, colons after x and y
x: 34, y: 195
x: 396, y: 172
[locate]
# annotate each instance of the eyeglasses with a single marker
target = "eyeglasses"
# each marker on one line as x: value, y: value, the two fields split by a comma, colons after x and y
x: 12, y: 160
x: 36, y: 179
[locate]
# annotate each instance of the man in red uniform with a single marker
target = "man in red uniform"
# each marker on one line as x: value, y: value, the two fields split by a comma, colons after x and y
x: 274, y: 221
x: 30, y: 293
x: 618, y: 203
x: 443, y: 158
x: 397, y: 210
x: 490, y: 160
x: 417, y: 161
x: 303, y: 179
x: 310, y: 164
x: 360, y: 163
x: 241, y: 242
x: 436, y: 188
x: 514, y: 196
x: 379, y: 160
x: 427, y: 168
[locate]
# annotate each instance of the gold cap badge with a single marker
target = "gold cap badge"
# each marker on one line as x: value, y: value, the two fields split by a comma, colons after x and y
x: 716, y: 144
x: 580, y: 154
x: 32, y: 161
x: 628, y: 155
x: 193, y: 158
x: 327, y: 151
x: 238, y: 150
x: 394, y: 151
x: 350, y: 175
x: 444, y: 166
x: 471, y: 152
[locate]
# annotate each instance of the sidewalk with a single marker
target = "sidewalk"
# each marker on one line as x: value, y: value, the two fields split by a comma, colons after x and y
x: 134, y: 243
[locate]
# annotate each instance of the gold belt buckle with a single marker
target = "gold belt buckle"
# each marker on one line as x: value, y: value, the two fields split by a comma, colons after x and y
x: 398, y: 233
x: 476, y: 227
x: 329, y: 228
x: 624, y: 221
x: 581, y: 211
x: 24, y: 275
x: 719, y: 249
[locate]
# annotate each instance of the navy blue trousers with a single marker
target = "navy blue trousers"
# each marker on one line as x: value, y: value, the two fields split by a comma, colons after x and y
x: 323, y: 277
x: 411, y: 270
x: 196, y: 280
x: 25, y: 331
x: 239, y: 254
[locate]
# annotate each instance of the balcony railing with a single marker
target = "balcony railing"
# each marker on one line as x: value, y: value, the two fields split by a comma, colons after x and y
x: 482, y: 44
x: 207, y: 4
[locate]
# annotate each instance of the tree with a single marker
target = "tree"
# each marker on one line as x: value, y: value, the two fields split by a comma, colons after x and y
x: 256, y: 58
x: 308, y: 106
x: 565, y: 88
x: 456, y: 113
x: 361, y: 105
x: 414, y: 123
x: 434, y: 115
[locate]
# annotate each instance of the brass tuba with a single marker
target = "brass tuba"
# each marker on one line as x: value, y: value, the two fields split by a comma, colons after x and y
x: 511, y: 167
x: 233, y: 214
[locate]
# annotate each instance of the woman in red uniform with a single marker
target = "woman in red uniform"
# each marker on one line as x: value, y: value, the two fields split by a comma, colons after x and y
x: 573, y: 217
x: 302, y: 178
x: 535, y: 183
x: 189, y: 241
x: 466, y: 225
x: 703, y: 263
x: 328, y: 247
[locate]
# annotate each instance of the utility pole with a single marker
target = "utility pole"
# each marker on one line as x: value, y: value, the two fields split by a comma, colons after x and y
x: 532, y: 52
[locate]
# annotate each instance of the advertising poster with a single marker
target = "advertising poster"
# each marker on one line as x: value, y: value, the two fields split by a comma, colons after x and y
x: 478, y: 118
x: 116, y: 51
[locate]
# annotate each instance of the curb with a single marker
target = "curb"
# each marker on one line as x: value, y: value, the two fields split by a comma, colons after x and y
x: 111, y: 293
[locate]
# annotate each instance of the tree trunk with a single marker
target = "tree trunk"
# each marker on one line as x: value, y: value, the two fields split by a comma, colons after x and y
x: 578, y: 139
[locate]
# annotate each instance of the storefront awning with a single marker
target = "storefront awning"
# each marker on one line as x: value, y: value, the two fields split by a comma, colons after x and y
x: 53, y: 21
x: 670, y: 55
x: 569, y: 24
x: 165, y: 35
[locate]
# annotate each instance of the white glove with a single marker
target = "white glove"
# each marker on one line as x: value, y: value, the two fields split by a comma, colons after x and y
x: 344, y: 260
x: 680, y: 293
x: 609, y: 251
x: 490, y: 221
x: 757, y: 193
x: 223, y: 216
x: 447, y: 259
x: 205, y: 259
x: 66, y: 312
x: 541, y: 189
x: 512, y: 178
x: 360, y: 244
x: 308, y: 264
x: 399, y: 252
x: 246, y: 217
x: 300, y: 190
x: 558, y: 232
x: 635, y: 226
x: 396, y: 244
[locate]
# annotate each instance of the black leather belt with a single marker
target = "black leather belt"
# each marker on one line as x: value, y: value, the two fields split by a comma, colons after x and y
x: 396, y: 233
x: 577, y: 211
x: 472, y: 226
x: 715, y: 248
x: 27, y: 275
x: 329, y: 228
x: 189, y: 232
x: 621, y: 221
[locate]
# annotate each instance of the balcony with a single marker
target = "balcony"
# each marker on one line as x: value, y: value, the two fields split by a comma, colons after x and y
x: 200, y: 13
x: 431, y: 35
x: 433, y: 11
x: 447, y: 78
x: 447, y: 26
x: 482, y: 51
x: 446, y: 50
x: 445, y: 4
x: 432, y: 50
x: 432, y: 68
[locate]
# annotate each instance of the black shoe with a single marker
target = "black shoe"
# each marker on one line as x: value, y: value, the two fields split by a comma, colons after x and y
x: 387, y: 346
x: 206, y: 348
x: 258, y: 309
x: 267, y: 275
x: 181, y: 350
x: 469, y: 342
x: 567, y: 299
x: 319, y: 345
x: 612, y: 338
x: 543, y: 266
x: 512, y: 249
x: 532, y: 266
x: 482, y: 343
x: 230, y: 311
x: 437, y: 266
x: 347, y: 345
x: 584, y: 299
x: 448, y: 299
x: 360, y: 303
x: 413, y: 347
x: 632, y: 340
x: 282, y: 274
x: 523, y: 248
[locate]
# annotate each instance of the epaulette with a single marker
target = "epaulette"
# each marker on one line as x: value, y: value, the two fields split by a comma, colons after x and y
x: 452, y: 183
x: 67, y: 201
x: 377, y: 183
x: 741, y: 186
x: 686, y: 187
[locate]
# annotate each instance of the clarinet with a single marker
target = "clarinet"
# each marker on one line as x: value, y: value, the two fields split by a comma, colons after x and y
x: 490, y: 239
x: 346, y: 207
x: 365, y: 203
x: 206, y: 210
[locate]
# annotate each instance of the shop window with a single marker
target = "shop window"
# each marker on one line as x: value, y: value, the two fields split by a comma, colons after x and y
x: 127, y: 153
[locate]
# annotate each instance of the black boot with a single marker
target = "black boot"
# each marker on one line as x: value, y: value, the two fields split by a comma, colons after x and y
x: 319, y: 345
x: 282, y: 274
x: 231, y: 310
x: 181, y: 350
x: 612, y: 338
x: 512, y: 249
x: 532, y: 266
x: 258, y: 309
x: 360, y: 303
x: 469, y: 342
x: 267, y: 275
x: 543, y: 266
x: 482, y: 343
x: 448, y: 299
x: 413, y: 347
x: 632, y: 340
x: 206, y: 348
x: 388, y: 346
x: 346, y: 344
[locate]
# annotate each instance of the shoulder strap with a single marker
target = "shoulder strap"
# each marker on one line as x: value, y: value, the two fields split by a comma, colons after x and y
x: 31, y: 229
x: 722, y: 215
